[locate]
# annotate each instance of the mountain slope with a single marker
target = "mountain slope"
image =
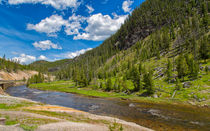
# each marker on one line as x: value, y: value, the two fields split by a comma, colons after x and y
x: 173, y: 17
x: 163, y: 42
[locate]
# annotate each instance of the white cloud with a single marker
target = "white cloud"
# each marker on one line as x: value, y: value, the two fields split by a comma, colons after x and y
x: 101, y: 27
x: 42, y: 57
x: 76, y: 53
x: 49, y: 25
x: 46, y: 45
x: 25, y: 59
x: 90, y: 9
x: 71, y: 55
x: 58, y: 4
x: 74, y: 24
x: 126, y: 5
x: 98, y: 26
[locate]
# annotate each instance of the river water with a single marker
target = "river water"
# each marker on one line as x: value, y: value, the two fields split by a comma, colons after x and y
x: 155, y: 116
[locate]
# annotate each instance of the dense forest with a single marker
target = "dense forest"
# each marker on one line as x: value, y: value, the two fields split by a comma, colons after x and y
x: 162, y: 40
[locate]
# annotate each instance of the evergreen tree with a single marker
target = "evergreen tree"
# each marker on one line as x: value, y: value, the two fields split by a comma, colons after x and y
x: 207, y: 70
x: 108, y: 85
x: 169, y: 70
x: 136, y: 79
x: 182, y: 67
x: 204, y: 49
x: 148, y: 83
x: 178, y: 84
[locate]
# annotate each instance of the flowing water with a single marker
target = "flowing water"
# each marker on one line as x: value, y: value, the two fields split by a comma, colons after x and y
x: 155, y: 116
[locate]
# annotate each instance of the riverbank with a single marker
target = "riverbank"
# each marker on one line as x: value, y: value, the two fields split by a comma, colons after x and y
x: 22, y: 114
x: 69, y: 87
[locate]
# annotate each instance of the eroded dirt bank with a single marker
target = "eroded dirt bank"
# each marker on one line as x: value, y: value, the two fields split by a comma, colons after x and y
x: 25, y: 114
x: 19, y: 75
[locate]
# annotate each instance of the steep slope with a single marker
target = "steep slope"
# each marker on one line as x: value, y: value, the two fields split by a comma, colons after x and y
x: 179, y: 20
x: 18, y: 75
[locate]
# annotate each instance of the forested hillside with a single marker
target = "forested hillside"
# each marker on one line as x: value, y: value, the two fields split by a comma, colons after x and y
x: 10, y: 65
x: 162, y: 44
x: 45, y: 66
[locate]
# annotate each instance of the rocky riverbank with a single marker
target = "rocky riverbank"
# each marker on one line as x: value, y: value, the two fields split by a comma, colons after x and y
x: 22, y: 114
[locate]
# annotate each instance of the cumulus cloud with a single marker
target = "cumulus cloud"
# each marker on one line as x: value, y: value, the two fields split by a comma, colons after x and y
x: 76, y: 53
x: 58, y: 4
x: 49, y: 25
x: 42, y: 57
x: 25, y: 59
x: 97, y: 27
x: 74, y: 24
x: 126, y: 5
x: 71, y: 55
x: 90, y: 9
x: 46, y: 45
x: 101, y: 27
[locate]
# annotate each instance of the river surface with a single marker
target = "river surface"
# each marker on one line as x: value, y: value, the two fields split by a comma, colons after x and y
x: 155, y: 116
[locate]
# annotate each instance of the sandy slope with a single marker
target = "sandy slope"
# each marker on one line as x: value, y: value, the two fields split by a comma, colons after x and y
x: 19, y: 75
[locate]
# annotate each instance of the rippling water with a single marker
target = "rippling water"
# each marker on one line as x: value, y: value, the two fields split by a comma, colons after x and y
x: 158, y: 117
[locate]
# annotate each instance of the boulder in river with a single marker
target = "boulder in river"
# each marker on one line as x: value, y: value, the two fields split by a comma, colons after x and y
x: 93, y: 107
x: 131, y: 105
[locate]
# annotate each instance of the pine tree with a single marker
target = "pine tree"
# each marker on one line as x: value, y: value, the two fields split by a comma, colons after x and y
x: 204, y: 49
x: 207, y: 70
x: 136, y: 79
x: 205, y: 16
x: 169, y: 70
x: 108, y: 85
x: 182, y: 67
x: 148, y: 83
x: 178, y: 84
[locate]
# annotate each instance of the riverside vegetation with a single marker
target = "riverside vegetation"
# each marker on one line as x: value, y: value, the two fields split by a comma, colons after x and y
x: 162, y: 50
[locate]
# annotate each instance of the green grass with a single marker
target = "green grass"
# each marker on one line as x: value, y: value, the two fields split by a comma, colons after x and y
x: 95, y: 93
x: 68, y: 87
x: 16, y: 105
x: 11, y: 122
x: 28, y: 127
x: 6, y: 106
x: 27, y: 123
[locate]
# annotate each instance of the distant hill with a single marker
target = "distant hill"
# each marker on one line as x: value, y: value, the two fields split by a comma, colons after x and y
x: 46, y: 66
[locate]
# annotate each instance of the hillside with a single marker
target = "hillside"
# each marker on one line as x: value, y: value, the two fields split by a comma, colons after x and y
x: 45, y: 66
x: 162, y: 50
x: 10, y: 65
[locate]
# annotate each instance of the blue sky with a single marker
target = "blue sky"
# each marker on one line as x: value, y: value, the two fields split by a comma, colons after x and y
x: 50, y: 30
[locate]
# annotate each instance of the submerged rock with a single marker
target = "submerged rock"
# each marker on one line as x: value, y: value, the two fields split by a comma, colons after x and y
x: 131, y: 105
x: 93, y: 107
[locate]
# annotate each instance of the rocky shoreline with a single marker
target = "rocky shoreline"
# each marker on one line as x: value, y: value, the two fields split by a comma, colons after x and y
x: 26, y: 109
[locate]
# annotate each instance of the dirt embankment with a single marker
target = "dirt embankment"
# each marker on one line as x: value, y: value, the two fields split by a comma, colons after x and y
x: 19, y: 75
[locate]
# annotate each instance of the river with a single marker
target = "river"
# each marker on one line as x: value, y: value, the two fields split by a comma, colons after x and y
x: 155, y: 116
